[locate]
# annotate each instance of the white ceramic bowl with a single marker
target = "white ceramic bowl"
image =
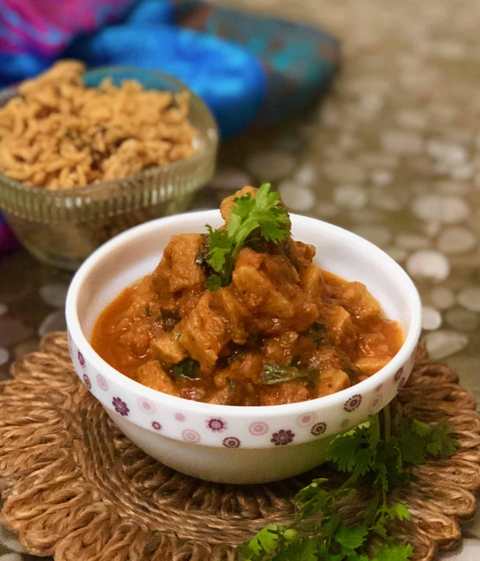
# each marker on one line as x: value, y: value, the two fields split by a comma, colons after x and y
x: 225, y: 443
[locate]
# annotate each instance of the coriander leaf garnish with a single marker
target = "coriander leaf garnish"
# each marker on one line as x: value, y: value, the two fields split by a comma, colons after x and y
x: 214, y: 282
x: 263, y: 214
x: 266, y: 541
x: 276, y: 374
x: 187, y: 368
x: 351, y: 538
x: 220, y: 249
x: 318, y: 333
x: 264, y: 211
x: 395, y: 552
x: 352, y: 452
x: 375, y: 456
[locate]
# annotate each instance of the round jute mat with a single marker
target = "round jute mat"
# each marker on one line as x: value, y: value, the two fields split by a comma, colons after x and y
x: 77, y: 489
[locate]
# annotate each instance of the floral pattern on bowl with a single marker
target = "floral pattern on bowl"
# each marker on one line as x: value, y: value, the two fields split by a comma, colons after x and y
x: 212, y: 430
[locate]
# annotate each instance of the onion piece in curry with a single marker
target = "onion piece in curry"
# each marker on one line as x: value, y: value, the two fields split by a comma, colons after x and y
x: 274, y: 329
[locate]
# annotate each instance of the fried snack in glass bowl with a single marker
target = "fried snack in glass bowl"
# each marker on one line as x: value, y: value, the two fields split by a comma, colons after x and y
x: 85, y: 156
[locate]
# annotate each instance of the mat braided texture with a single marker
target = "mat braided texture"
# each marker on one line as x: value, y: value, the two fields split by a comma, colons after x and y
x: 75, y: 488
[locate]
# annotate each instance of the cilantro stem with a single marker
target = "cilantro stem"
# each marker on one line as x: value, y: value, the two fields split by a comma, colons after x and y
x: 347, y: 484
x: 387, y: 423
x: 375, y: 428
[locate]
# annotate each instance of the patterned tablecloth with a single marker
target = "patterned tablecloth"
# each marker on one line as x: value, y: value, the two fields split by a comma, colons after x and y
x: 393, y: 154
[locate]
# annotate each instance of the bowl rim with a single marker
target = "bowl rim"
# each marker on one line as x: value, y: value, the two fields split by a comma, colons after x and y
x: 210, y: 135
x: 237, y: 411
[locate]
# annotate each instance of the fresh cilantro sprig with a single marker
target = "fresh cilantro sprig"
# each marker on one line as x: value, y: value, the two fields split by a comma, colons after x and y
x: 375, y: 458
x: 262, y: 215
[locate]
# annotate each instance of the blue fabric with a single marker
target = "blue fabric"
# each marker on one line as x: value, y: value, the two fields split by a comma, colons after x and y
x: 299, y: 61
x: 226, y: 76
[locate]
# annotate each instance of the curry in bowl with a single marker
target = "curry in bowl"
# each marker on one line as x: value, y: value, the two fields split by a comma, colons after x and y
x: 242, y: 315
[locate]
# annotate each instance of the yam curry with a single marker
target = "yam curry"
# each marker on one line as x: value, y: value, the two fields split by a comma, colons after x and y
x: 242, y: 315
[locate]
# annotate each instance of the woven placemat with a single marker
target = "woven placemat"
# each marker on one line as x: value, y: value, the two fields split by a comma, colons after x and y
x: 74, y: 487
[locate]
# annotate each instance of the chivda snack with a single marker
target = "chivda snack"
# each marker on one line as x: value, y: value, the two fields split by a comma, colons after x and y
x: 57, y: 133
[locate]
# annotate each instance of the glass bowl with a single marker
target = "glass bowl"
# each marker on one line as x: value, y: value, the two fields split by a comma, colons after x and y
x: 63, y: 227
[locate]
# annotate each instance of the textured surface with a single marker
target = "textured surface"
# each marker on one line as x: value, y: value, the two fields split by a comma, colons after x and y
x: 393, y: 153
x: 74, y: 487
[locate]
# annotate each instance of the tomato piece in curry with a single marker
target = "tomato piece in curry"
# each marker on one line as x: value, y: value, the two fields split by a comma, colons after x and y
x: 284, y: 330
